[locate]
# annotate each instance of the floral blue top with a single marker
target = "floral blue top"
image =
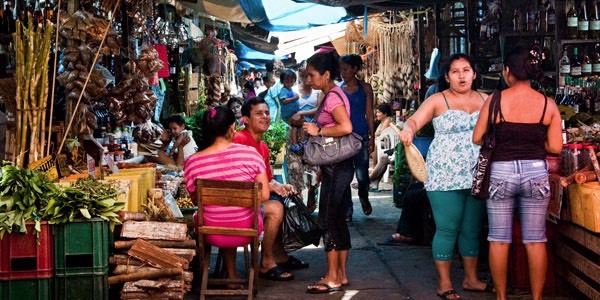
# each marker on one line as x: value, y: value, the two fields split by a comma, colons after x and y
x: 452, y: 154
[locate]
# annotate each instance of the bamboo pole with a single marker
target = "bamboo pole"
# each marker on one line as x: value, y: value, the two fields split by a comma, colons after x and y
x: 87, y: 79
x: 18, y: 96
x: 54, y: 70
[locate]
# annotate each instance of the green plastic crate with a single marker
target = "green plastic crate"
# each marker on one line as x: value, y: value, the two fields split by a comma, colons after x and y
x: 81, y: 247
x: 30, y: 289
x: 77, y: 287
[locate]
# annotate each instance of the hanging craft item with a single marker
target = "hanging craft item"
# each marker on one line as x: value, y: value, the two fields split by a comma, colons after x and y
x: 397, y: 70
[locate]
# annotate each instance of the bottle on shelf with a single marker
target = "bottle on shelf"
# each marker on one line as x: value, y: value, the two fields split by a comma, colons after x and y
x: 575, y: 64
x: 531, y: 19
x: 560, y: 94
x: 541, y: 22
x: 596, y: 61
x: 595, y: 22
x: 564, y: 68
x: 583, y: 23
x: 517, y: 21
x: 586, y: 64
x: 548, y: 64
x: 49, y: 11
x: 572, y: 20
x: 550, y: 17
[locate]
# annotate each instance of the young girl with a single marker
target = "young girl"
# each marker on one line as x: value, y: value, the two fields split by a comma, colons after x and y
x: 288, y: 100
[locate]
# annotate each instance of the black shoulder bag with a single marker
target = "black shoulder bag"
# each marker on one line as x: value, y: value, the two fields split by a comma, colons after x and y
x: 481, y: 178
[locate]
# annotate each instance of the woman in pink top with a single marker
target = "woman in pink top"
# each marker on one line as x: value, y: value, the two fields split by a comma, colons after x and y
x: 224, y: 160
x: 333, y: 120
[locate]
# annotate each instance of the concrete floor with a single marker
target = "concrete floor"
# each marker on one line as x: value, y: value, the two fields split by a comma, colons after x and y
x: 380, y: 272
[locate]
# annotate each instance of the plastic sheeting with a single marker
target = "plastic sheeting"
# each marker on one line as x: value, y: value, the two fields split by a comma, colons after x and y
x: 287, y: 15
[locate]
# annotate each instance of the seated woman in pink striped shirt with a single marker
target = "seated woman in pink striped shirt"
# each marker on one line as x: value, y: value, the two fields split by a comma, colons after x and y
x: 224, y: 160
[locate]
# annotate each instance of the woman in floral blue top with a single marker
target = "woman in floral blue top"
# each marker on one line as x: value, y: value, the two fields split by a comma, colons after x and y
x: 450, y: 161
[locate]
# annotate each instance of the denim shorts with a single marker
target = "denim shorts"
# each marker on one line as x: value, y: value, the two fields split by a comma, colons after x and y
x: 521, y: 184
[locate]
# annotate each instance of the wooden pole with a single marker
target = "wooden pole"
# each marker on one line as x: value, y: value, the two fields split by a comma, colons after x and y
x: 54, y: 76
x: 87, y: 79
x: 168, y: 272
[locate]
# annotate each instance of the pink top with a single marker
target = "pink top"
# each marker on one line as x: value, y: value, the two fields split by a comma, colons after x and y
x: 236, y: 163
x: 332, y: 101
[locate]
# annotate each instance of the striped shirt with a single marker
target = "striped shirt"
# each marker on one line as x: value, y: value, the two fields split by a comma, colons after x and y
x: 236, y: 163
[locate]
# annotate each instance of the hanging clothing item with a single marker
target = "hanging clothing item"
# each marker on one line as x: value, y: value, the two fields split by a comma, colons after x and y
x: 164, y: 57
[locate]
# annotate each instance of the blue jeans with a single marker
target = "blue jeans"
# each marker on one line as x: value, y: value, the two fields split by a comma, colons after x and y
x: 522, y: 184
x: 361, y: 169
x: 335, y: 184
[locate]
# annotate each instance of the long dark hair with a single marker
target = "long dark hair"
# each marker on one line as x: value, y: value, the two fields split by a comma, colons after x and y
x: 325, y: 62
x: 442, y: 83
x: 216, y: 122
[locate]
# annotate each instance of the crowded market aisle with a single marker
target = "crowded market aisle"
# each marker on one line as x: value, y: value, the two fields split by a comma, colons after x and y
x: 375, y: 271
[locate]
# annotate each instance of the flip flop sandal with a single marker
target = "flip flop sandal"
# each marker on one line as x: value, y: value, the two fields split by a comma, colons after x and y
x: 366, y: 207
x: 293, y: 264
x: 275, y: 274
x: 489, y: 288
x: 448, y: 294
x: 322, y: 288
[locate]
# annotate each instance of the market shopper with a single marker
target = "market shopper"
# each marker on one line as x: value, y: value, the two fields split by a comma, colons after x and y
x: 360, y: 96
x: 275, y: 263
x: 333, y: 120
x: 451, y: 156
x: 244, y: 163
x: 384, y: 115
x: 524, y: 134
x: 308, y: 102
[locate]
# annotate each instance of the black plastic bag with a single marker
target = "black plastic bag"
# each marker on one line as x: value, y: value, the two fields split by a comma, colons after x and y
x: 299, y: 229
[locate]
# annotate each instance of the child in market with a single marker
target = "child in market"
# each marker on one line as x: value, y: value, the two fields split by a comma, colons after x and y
x: 288, y: 101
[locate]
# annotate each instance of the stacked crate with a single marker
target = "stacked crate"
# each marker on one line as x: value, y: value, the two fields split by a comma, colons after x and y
x: 81, y: 260
x: 26, y: 265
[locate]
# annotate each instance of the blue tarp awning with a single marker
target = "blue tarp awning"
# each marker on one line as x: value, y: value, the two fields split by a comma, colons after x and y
x: 287, y: 15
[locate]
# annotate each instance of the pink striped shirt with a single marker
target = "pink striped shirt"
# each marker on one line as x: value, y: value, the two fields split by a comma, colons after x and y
x: 236, y: 163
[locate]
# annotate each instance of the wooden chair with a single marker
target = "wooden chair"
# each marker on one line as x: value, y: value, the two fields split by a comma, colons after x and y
x: 228, y: 193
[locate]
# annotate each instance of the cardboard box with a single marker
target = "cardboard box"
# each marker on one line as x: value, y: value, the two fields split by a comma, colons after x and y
x: 584, y: 200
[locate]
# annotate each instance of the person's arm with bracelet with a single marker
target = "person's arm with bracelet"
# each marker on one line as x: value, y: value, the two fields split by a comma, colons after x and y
x: 420, y: 118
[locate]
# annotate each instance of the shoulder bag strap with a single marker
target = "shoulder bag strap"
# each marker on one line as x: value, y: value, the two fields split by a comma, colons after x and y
x: 323, y: 103
x: 493, y: 112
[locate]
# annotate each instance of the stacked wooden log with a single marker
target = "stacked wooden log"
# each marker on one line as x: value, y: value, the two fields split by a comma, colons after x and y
x: 153, y: 260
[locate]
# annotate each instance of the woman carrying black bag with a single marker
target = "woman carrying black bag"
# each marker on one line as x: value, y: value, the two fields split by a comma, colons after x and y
x: 528, y: 127
x: 333, y: 121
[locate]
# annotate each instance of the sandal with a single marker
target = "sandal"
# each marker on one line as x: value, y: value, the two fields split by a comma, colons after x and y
x: 449, y: 295
x: 293, y: 264
x: 276, y: 274
x: 366, y: 207
x: 489, y: 288
x: 322, y: 288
